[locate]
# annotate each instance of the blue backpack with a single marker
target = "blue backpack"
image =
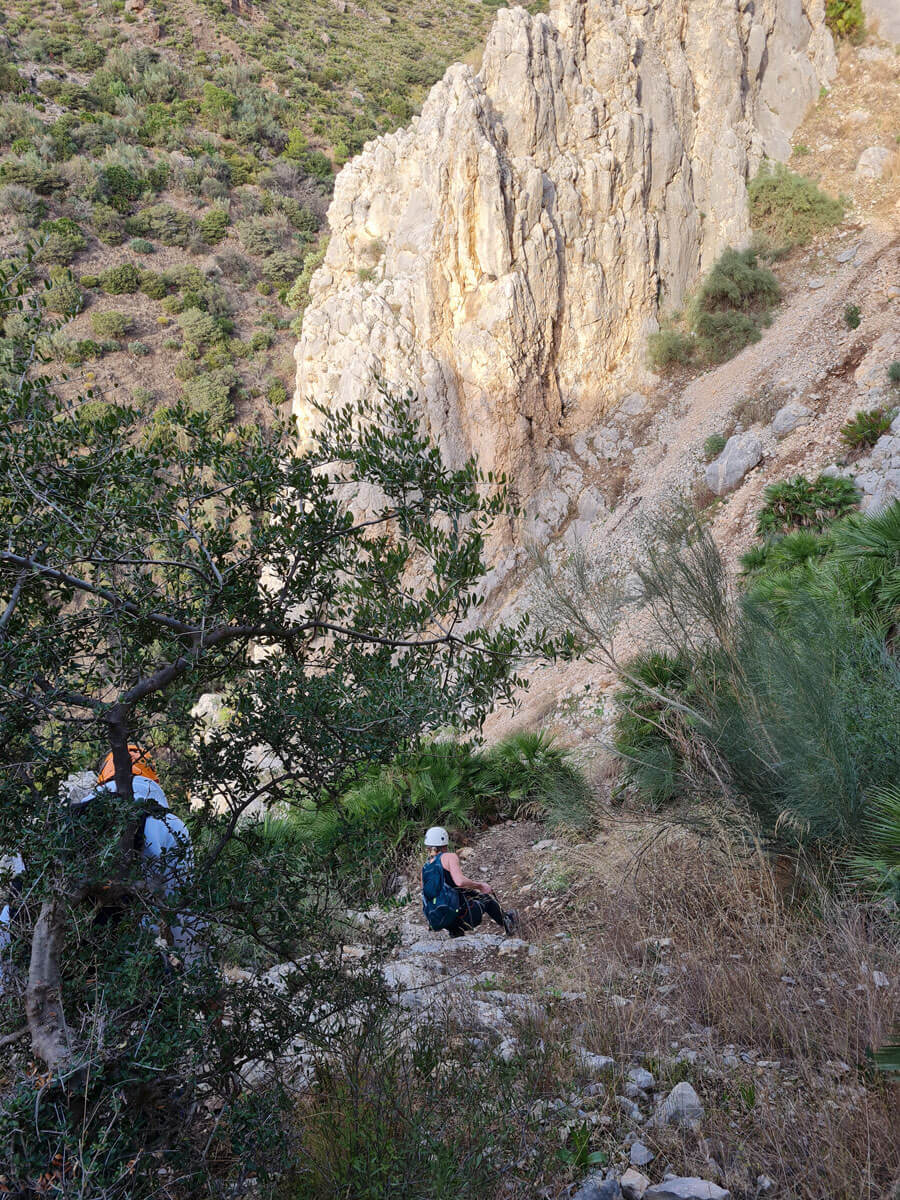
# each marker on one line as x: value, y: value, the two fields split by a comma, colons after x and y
x: 440, y: 901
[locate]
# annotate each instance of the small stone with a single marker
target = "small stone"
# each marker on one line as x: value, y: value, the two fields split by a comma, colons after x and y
x: 599, y: 1189
x: 880, y: 979
x: 873, y: 162
x: 640, y: 1154
x: 847, y: 255
x: 686, y: 1188
x: 545, y: 844
x: 595, y: 1063
x: 642, y: 1077
x: 633, y: 1184
x: 815, y: 284
x: 629, y: 1107
x: 764, y: 1185
x: 682, y: 1107
x: 507, y: 1050
x: 633, y: 404
x: 742, y: 452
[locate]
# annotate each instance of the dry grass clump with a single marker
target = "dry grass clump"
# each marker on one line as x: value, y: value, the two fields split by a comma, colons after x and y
x: 776, y: 1006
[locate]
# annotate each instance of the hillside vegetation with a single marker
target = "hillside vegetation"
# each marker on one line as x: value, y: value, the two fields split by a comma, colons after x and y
x: 174, y: 162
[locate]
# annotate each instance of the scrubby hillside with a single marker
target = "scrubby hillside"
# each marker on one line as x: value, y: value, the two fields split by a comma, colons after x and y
x: 178, y: 158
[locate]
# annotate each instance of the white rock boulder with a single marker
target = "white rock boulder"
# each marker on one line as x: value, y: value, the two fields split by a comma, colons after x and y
x: 790, y: 417
x: 742, y: 452
x: 873, y: 163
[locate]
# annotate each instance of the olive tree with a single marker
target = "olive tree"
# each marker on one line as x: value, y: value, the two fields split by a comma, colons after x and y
x: 147, y: 560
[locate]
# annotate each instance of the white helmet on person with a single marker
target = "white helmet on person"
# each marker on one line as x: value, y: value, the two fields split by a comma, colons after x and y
x: 437, y: 836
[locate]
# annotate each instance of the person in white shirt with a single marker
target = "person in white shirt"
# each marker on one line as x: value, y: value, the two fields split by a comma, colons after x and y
x: 164, y: 844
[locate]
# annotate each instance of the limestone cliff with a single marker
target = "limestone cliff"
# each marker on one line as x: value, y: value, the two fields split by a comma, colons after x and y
x: 507, y: 253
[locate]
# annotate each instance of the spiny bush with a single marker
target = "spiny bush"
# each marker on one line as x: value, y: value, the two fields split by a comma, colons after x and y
x: 121, y: 187
x: 877, y: 866
x: 866, y: 428
x: 649, y: 735
x: 727, y: 313
x: 63, y: 240
x: 22, y: 202
x: 845, y: 19
x: 110, y: 324
x: 63, y: 296
x: 894, y: 372
x: 852, y: 316
x: 211, y: 394
x: 167, y: 224
x: 669, y: 348
x: 108, y: 225
x: 141, y: 246
x: 213, y: 226
x: 714, y: 445
x: 117, y: 281
x: 790, y: 209
x: 801, y: 503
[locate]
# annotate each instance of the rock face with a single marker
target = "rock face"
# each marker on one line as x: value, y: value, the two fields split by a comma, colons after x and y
x: 506, y: 254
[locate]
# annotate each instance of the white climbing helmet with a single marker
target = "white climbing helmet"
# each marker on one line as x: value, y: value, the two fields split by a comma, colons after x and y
x: 437, y: 836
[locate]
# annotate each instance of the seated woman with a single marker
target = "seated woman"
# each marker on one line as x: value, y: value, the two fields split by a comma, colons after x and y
x: 456, y: 903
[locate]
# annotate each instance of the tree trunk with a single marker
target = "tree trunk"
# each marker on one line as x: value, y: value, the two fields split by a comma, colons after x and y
x: 117, y: 723
x: 43, y: 998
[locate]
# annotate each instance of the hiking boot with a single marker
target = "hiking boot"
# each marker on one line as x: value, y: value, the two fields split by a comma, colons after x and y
x: 511, y: 922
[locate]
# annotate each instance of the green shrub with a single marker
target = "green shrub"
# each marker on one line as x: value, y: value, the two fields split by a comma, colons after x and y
x: 713, y: 446
x: 213, y: 226
x: 866, y: 428
x: 89, y: 281
x: 121, y: 280
x: 281, y: 266
x: 211, y: 394
x: 851, y: 316
x: 63, y: 240
x: 297, y: 144
x: 199, y: 329
x: 110, y: 324
x: 264, y: 235
x: 800, y: 503
x: 877, y: 866
x: 63, y: 296
x: 789, y: 701
x: 318, y: 164
x: 779, y: 555
x: 141, y: 246
x: 722, y: 335
x: 894, y: 372
x: 139, y: 349
x: 32, y: 172
x: 727, y: 313
x: 107, y: 225
x: 22, y: 202
x: 121, y: 187
x: 650, y: 737
x: 153, y: 286
x: 276, y: 392
x: 168, y: 225
x: 298, y: 294
x: 790, y: 209
x: 845, y: 19
x: 668, y: 348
